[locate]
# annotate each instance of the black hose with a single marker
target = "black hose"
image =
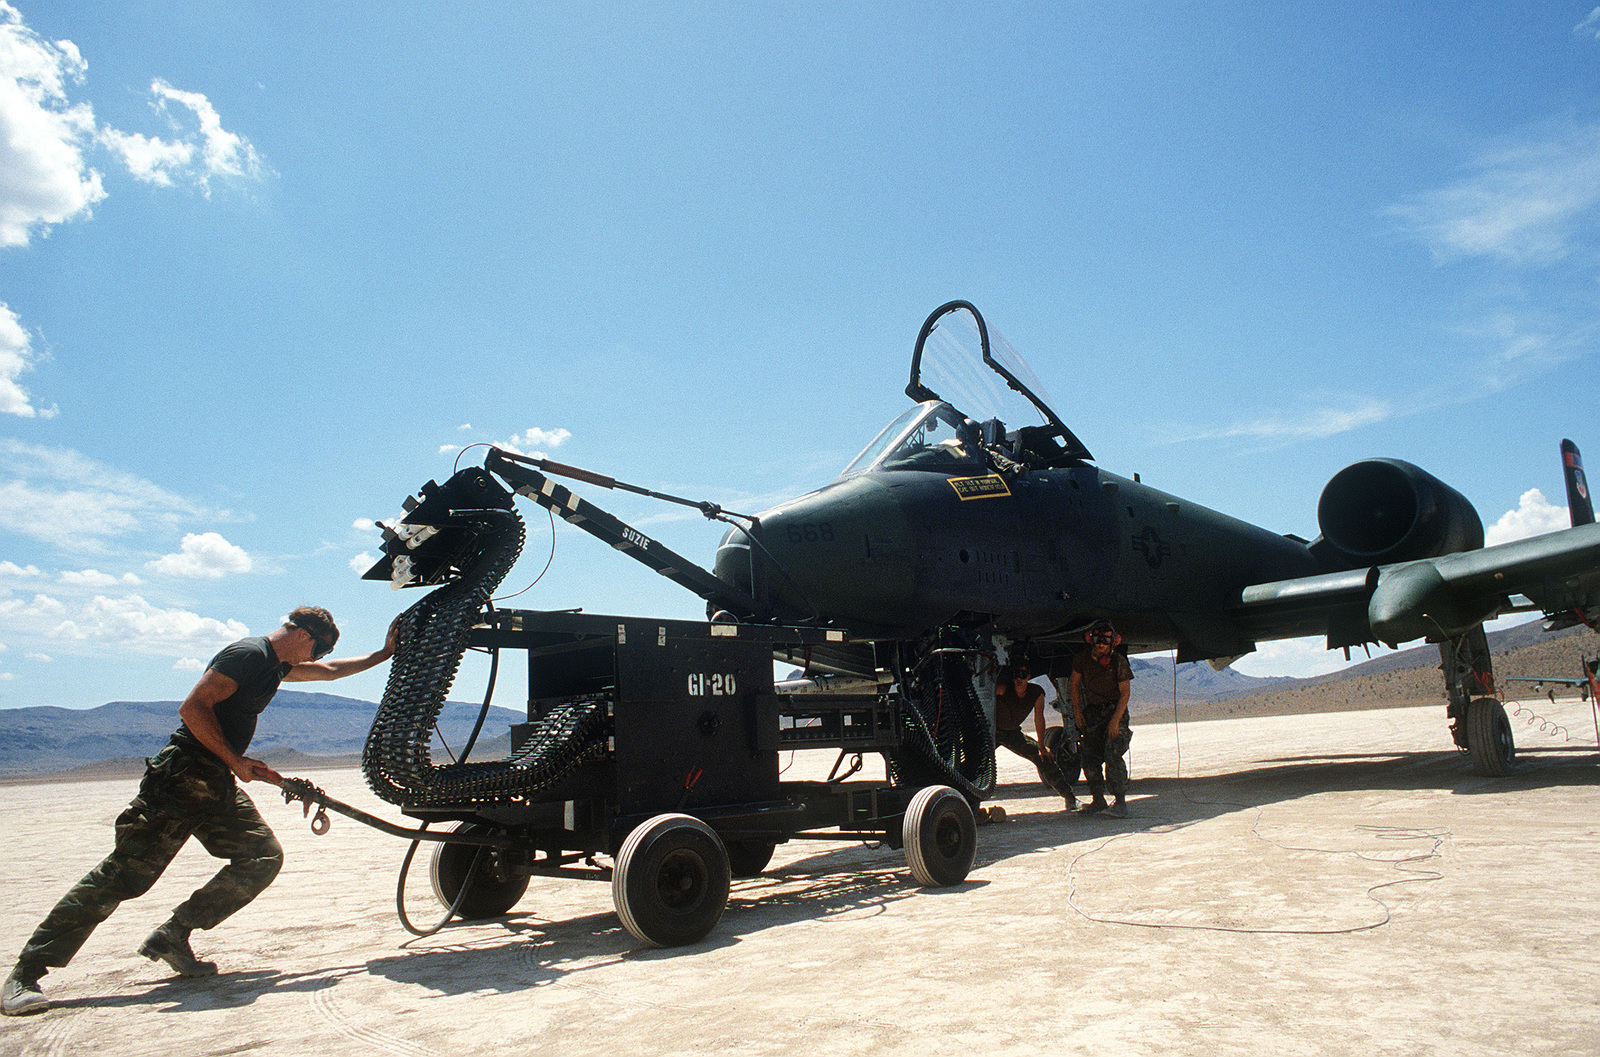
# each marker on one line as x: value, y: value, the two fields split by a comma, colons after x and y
x: 488, y: 694
x: 461, y: 896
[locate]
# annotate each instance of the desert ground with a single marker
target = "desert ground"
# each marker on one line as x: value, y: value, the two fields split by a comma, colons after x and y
x: 1325, y: 884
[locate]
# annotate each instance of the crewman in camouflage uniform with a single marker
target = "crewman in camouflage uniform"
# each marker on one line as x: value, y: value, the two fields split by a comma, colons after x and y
x: 188, y: 790
x: 1099, y: 688
x: 1015, y: 699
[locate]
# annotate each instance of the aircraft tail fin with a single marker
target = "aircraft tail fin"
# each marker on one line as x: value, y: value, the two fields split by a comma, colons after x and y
x: 1580, y: 503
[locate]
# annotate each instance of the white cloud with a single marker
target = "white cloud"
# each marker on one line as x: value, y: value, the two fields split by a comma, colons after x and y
x: 526, y: 442
x: 9, y: 568
x: 1310, y: 425
x: 96, y: 578
x: 149, y: 158
x: 6, y: 677
x: 364, y: 524
x: 35, y: 614
x: 464, y: 426
x: 41, y: 657
x: 134, y: 624
x: 1300, y: 658
x: 1589, y: 27
x: 44, y: 177
x: 203, y: 149
x: 362, y: 562
x: 188, y: 664
x: 550, y: 438
x: 16, y: 356
x: 1529, y: 202
x: 38, y: 617
x: 127, y: 623
x: 1535, y: 515
x: 203, y: 554
x: 445, y: 449
x: 73, y: 502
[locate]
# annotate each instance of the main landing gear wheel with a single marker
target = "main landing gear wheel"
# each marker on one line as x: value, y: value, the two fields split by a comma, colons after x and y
x: 747, y: 858
x: 490, y: 894
x: 1489, y: 737
x: 671, y: 880
x: 941, y: 836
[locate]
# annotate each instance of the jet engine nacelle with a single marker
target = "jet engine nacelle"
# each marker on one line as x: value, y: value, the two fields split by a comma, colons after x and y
x: 1380, y: 511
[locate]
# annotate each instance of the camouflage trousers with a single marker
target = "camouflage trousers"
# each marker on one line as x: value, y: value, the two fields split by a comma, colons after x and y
x: 183, y: 794
x: 1104, y: 758
x: 1051, y: 770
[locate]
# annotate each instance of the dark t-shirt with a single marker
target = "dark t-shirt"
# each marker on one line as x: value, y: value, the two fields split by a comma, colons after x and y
x: 254, y: 665
x: 1100, y: 682
x: 1011, y: 711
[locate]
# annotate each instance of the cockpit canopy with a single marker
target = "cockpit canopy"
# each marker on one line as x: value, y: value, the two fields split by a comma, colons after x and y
x: 931, y: 436
x: 958, y: 353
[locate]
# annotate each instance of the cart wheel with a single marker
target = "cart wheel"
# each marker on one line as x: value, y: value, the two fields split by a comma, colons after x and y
x: 671, y: 880
x: 941, y: 837
x: 747, y: 858
x: 490, y: 895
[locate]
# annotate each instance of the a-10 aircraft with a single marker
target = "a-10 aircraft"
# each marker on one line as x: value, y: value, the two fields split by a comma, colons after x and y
x: 963, y: 530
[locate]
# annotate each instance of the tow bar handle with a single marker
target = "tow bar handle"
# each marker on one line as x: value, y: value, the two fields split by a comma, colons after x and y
x: 303, y: 790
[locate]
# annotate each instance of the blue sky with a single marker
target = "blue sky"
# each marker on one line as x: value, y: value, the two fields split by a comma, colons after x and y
x: 266, y: 268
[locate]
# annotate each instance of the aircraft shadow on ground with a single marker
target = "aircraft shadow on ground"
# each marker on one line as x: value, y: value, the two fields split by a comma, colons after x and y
x: 1158, y: 802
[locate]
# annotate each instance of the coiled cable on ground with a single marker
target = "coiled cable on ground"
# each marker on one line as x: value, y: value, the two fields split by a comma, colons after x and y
x: 1408, y: 864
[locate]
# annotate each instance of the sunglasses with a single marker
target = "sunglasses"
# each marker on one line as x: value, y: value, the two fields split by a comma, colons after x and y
x: 320, y: 647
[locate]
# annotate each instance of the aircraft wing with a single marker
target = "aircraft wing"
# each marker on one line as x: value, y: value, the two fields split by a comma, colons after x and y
x: 1439, y: 597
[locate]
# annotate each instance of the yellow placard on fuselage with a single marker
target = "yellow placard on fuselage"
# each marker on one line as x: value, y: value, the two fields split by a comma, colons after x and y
x: 990, y: 486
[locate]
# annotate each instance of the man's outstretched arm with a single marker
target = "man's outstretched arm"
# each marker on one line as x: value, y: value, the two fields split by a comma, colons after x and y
x: 339, y: 667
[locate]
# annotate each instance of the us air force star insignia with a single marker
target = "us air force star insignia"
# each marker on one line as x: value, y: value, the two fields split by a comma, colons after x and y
x: 991, y: 486
x: 1154, y: 547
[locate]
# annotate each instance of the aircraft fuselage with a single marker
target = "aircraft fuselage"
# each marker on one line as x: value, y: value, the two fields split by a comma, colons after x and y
x: 903, y: 551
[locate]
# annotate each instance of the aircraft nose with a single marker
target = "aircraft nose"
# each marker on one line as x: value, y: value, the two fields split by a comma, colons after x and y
x: 844, y: 553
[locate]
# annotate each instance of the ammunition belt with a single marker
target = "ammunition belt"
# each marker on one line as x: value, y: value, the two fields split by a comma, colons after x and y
x: 948, y: 740
x: 432, y: 638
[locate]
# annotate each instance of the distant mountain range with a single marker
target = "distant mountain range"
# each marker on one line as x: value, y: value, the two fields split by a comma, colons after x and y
x: 42, y: 741
x: 304, y: 730
x: 1390, y: 679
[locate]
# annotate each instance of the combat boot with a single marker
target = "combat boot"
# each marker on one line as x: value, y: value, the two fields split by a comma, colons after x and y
x: 1093, y: 807
x: 170, y: 944
x: 22, y: 995
x: 1118, y: 808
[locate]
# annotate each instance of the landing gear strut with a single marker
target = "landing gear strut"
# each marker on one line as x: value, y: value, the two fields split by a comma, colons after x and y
x: 1478, y: 722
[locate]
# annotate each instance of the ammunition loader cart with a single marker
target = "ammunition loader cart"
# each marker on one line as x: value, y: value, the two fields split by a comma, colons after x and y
x: 654, y: 744
x: 686, y: 792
